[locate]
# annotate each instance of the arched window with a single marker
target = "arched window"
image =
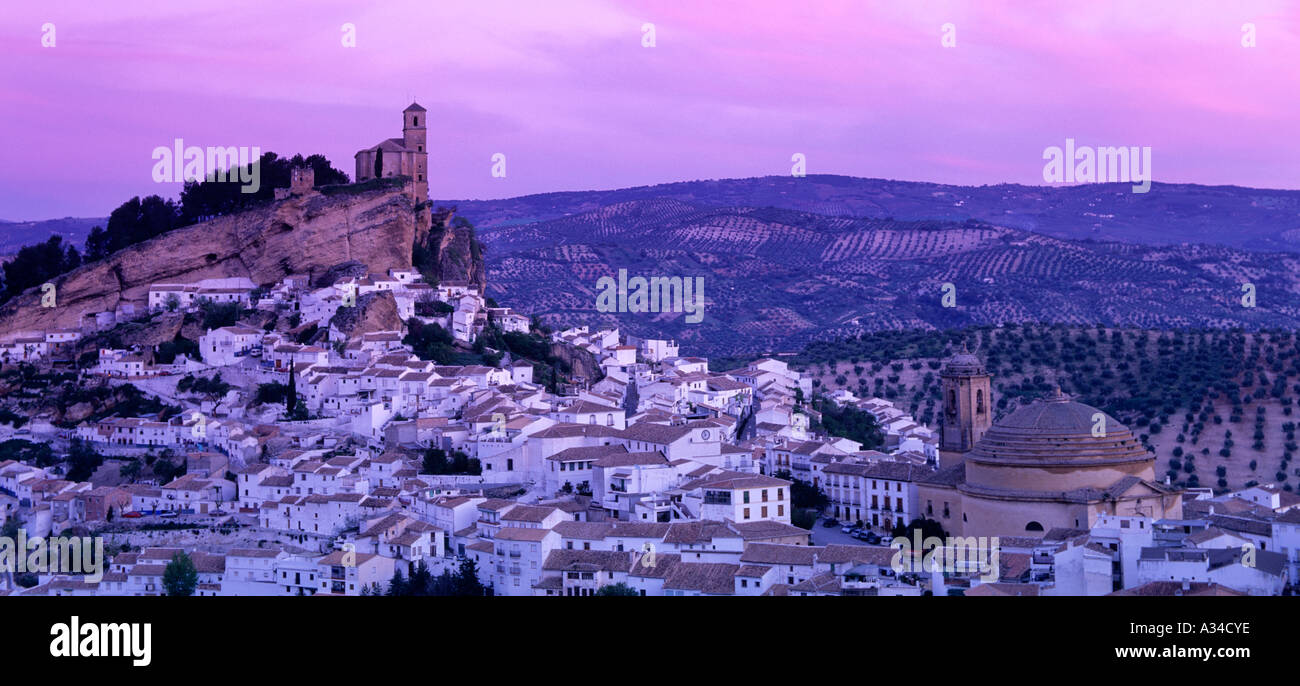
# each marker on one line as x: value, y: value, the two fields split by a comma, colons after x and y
x: 1033, y: 526
x: 952, y: 401
x: 979, y: 401
x: 415, y: 120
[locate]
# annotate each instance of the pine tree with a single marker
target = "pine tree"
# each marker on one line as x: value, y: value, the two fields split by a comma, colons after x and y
x: 467, y: 583
x: 397, y: 585
x: 291, y: 397
x: 180, y: 577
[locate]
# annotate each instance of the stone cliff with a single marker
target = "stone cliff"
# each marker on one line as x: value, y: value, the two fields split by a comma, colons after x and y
x: 455, y: 253
x: 373, y: 312
x: 305, y: 234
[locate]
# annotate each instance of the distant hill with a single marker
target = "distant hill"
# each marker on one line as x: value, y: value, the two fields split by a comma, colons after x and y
x: 777, y: 278
x: 1244, y: 218
x: 14, y: 235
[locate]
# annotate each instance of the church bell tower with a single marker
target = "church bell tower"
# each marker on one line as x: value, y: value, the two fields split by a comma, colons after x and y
x: 967, y: 406
x: 415, y: 140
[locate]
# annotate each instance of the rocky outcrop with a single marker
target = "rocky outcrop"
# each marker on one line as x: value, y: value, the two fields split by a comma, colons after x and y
x: 373, y: 312
x: 306, y: 234
x: 581, y: 363
x: 351, y: 269
x: 453, y: 252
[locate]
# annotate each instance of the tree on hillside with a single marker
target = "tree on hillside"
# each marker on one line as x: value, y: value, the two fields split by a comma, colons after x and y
x: 928, y: 528
x: 618, y: 589
x: 82, y: 460
x: 291, y: 394
x: 209, y: 198
x: 804, y: 495
x: 397, y: 585
x: 180, y: 577
x: 134, y: 221
x: 467, y: 583
x: 851, y: 423
x: 38, y: 264
x: 631, y: 400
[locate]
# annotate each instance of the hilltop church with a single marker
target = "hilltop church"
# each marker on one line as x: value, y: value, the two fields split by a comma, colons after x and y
x: 405, y: 156
x: 1052, y: 463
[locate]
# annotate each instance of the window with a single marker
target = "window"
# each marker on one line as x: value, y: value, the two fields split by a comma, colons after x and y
x: 747, y: 513
x: 746, y: 496
x: 1033, y: 526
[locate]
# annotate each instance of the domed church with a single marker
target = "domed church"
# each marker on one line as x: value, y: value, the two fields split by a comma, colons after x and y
x: 1052, y: 463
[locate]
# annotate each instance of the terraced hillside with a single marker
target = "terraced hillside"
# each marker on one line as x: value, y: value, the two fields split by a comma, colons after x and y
x: 775, y: 279
x: 1170, y: 214
x: 1217, y: 407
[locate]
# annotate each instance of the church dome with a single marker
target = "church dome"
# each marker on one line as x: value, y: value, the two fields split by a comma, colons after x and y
x: 1059, y: 430
x: 1059, y: 415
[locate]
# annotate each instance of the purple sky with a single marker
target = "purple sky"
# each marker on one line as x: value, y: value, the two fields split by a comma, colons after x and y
x: 565, y: 89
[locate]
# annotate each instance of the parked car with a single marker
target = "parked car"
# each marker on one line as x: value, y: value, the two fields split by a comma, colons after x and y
x: 863, y: 536
x: 218, y: 513
x: 885, y: 540
x: 846, y: 529
x: 132, y: 515
x: 871, y: 538
x: 830, y: 522
x: 168, y: 515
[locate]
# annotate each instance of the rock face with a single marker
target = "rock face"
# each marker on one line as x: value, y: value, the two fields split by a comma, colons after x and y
x: 344, y: 270
x: 455, y: 252
x: 581, y: 362
x: 305, y: 234
x: 373, y: 312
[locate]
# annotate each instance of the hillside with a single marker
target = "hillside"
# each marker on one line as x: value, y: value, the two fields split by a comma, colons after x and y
x: 14, y: 235
x: 299, y: 235
x: 776, y: 279
x: 1232, y: 216
x: 1224, y: 398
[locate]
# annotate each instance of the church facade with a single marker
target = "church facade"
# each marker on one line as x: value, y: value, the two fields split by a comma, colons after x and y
x: 1052, y: 463
x: 405, y: 156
